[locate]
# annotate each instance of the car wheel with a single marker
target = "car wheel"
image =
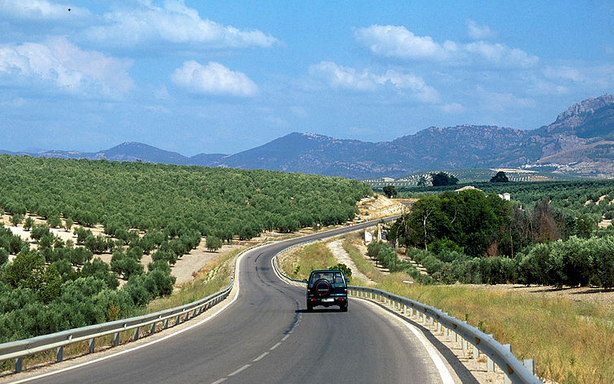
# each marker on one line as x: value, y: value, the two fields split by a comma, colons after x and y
x: 343, y: 308
x: 309, y: 307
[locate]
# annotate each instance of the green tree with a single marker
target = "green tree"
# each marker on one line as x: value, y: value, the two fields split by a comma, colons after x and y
x: 443, y: 179
x: 390, y: 191
x: 26, y: 271
x: 28, y: 224
x: 16, y: 219
x: 500, y: 177
x: 213, y: 243
x: 347, y: 271
x: 68, y: 224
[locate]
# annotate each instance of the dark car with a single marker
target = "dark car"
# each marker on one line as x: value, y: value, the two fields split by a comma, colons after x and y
x: 327, y: 288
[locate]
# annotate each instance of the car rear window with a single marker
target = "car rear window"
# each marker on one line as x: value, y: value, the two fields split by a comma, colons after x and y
x: 333, y: 277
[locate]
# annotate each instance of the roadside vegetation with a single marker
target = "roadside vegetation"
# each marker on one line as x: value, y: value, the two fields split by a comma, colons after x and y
x: 129, y: 210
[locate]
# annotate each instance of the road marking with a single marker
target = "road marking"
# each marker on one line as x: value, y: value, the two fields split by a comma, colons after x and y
x: 220, y: 381
x: 285, y: 338
x: 444, y: 373
x: 275, y: 346
x: 257, y: 359
x: 243, y: 368
x: 146, y: 344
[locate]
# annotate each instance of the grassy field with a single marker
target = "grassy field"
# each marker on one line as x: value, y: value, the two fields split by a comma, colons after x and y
x: 571, y: 341
x: 299, y: 262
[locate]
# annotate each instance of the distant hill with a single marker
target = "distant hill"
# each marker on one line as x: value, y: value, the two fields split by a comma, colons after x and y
x: 579, y: 142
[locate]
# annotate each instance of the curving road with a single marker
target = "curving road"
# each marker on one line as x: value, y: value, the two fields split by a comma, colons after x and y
x: 266, y: 336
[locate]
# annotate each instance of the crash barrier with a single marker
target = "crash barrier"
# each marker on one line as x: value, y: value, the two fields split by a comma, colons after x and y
x: 163, y: 319
x: 516, y: 372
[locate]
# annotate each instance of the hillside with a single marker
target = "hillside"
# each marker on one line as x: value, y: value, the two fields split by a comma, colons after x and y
x: 579, y: 142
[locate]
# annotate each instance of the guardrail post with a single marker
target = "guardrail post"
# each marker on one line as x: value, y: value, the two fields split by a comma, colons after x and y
x: 490, y: 364
x: 136, y: 333
x: 464, y: 341
x: 506, y: 378
x: 59, y: 354
x: 18, y: 364
x: 476, y: 352
x: 152, y: 330
x: 405, y: 309
x: 177, y: 319
x: 187, y: 316
x: 116, y: 339
x: 92, y: 345
x: 530, y: 365
x: 165, y: 323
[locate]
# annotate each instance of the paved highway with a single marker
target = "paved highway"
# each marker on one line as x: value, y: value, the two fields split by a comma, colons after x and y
x: 265, y: 335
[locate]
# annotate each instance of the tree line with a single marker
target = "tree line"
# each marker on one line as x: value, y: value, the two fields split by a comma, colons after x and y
x: 472, y: 237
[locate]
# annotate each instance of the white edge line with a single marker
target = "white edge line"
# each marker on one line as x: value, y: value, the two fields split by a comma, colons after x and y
x: 444, y: 373
x: 257, y: 359
x: 243, y: 368
x: 275, y: 346
x: 143, y: 345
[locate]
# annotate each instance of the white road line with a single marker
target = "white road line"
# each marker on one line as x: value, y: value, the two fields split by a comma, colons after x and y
x: 143, y: 345
x: 243, y: 368
x: 257, y: 359
x: 275, y: 346
x: 220, y: 381
x: 444, y: 373
x: 285, y: 338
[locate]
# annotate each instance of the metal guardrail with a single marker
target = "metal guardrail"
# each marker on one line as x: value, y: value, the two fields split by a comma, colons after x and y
x: 21, y: 348
x: 516, y: 372
x: 500, y: 354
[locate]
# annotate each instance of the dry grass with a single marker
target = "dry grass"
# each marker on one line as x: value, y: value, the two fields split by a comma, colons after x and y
x: 299, y: 262
x: 571, y: 342
x: 359, y: 259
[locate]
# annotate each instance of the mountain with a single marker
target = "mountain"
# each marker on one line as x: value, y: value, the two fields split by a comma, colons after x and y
x: 580, y: 141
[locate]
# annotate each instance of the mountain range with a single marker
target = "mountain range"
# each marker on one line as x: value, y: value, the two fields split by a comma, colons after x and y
x: 580, y: 142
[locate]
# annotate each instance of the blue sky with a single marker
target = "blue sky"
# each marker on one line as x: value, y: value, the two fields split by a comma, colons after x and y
x: 226, y: 76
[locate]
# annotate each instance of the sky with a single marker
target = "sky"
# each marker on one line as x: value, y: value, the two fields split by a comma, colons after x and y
x: 225, y: 76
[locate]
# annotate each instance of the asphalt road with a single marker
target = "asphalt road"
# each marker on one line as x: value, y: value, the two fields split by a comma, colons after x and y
x: 267, y: 336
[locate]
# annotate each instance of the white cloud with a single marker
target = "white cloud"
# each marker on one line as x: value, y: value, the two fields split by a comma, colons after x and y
x: 500, y: 102
x: 278, y: 121
x: 453, y: 108
x: 596, y: 76
x: 479, y: 32
x: 338, y: 76
x: 68, y: 68
x: 398, y: 43
x: 213, y: 79
x: 500, y: 55
x: 174, y: 22
x: 39, y: 10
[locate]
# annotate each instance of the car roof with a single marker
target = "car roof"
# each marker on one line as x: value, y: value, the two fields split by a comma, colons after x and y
x: 326, y: 270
